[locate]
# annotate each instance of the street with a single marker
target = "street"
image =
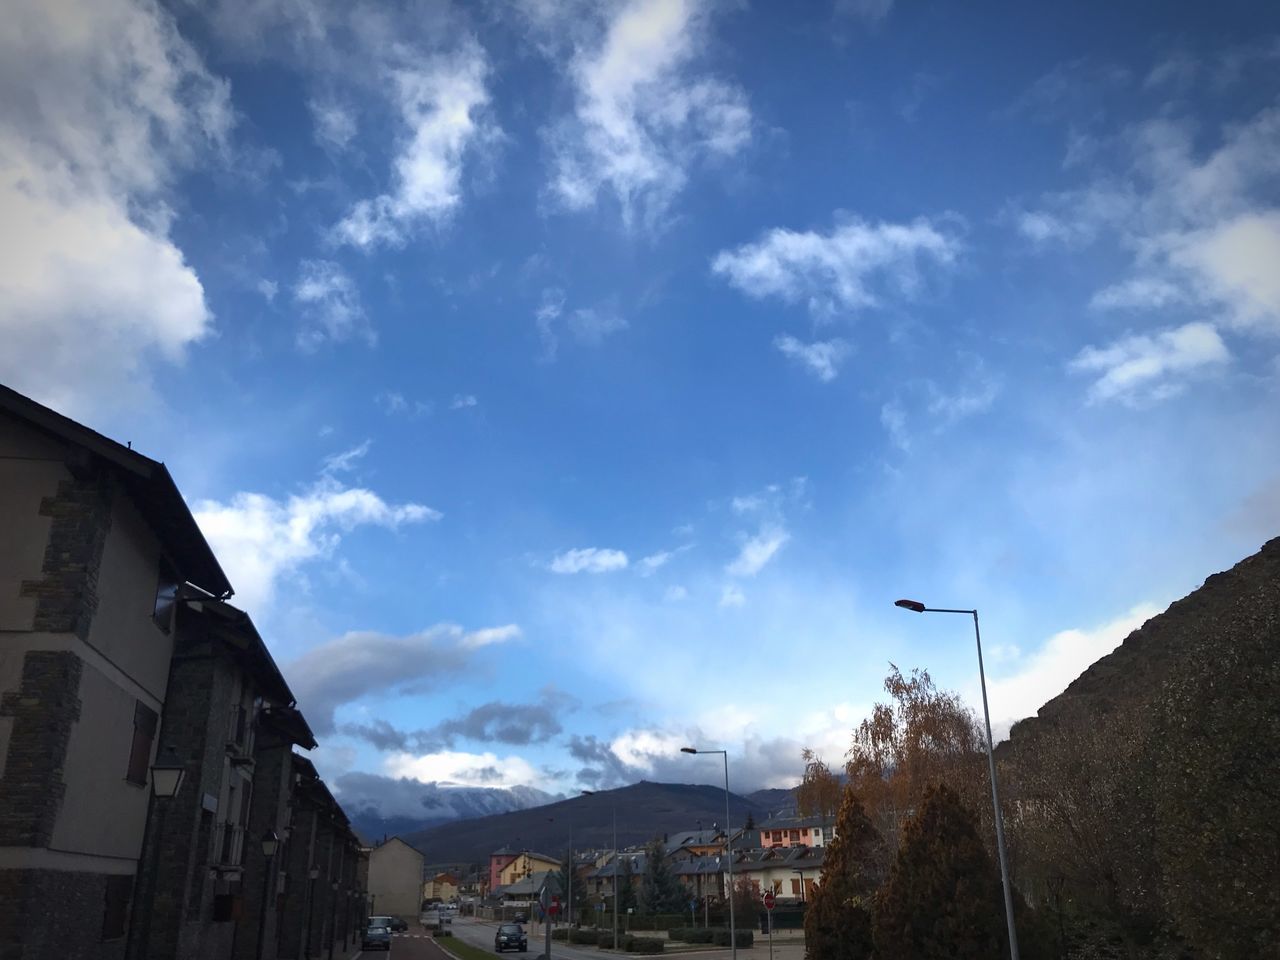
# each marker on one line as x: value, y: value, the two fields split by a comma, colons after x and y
x: 416, y: 945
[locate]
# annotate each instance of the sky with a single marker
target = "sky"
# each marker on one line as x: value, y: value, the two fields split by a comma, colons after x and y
x: 561, y: 383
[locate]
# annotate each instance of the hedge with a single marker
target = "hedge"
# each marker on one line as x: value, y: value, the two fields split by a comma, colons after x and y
x: 644, y: 945
x: 559, y: 934
x: 692, y: 934
x: 656, y: 921
x: 745, y: 938
x: 583, y: 936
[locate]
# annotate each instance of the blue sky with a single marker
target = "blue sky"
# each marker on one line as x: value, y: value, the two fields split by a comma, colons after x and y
x: 562, y: 382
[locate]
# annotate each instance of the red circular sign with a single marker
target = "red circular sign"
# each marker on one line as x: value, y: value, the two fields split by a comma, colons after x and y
x: 768, y: 900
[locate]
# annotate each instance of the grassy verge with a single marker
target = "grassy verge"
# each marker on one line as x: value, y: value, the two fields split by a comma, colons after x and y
x: 463, y: 950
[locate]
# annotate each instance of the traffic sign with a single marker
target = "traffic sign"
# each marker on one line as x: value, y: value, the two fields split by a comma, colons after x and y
x: 768, y: 899
x: 555, y: 906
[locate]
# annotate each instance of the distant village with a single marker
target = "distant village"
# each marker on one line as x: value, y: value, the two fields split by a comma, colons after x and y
x: 783, y: 855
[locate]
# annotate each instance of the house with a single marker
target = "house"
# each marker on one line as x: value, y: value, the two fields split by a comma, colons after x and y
x: 441, y: 887
x: 97, y: 540
x: 524, y: 864
x: 395, y: 880
x: 599, y: 882
x: 689, y: 844
x: 789, y: 872
x: 790, y: 831
x: 498, y: 861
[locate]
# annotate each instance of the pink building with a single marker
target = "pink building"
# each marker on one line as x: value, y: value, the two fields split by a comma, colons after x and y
x: 498, y: 861
x: 795, y: 832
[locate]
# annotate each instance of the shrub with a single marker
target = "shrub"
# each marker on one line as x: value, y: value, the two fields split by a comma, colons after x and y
x: 645, y: 945
x: 584, y: 936
x: 605, y: 939
x: 745, y: 938
x: 559, y: 934
x: 657, y: 921
x: 700, y: 935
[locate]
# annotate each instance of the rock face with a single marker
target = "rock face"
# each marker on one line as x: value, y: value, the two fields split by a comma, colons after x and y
x: 1245, y: 598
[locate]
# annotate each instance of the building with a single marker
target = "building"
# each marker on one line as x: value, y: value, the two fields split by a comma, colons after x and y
x: 97, y: 540
x: 395, y: 880
x: 498, y: 861
x: 789, y: 872
x: 788, y: 831
x: 441, y: 887
x: 689, y: 844
x: 525, y: 864
x: 146, y: 735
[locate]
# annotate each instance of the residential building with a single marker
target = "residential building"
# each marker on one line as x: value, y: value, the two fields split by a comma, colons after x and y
x: 442, y: 886
x: 97, y: 539
x: 524, y: 864
x: 792, y: 831
x: 498, y: 861
x: 690, y: 844
x: 395, y: 880
x: 789, y: 872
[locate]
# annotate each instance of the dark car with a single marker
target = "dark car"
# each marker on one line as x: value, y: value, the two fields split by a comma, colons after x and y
x: 520, y: 918
x: 510, y: 936
x: 376, y: 938
x: 395, y: 923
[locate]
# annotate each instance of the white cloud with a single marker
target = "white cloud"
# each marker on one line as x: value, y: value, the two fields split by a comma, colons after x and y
x: 1048, y: 671
x: 1152, y: 366
x: 731, y: 595
x: 488, y: 636
x: 592, y: 324
x: 757, y: 551
x: 441, y: 105
x: 461, y: 401
x: 822, y: 357
x: 1203, y: 227
x: 260, y: 540
x: 589, y: 560
x: 1138, y: 293
x: 105, y: 104
x: 675, y: 593
x: 268, y: 289
x: 643, y: 117
x: 850, y: 268
x: 869, y: 10
x: 331, y: 306
x: 654, y: 562
x: 335, y: 125
x: 469, y: 769
x: 345, y: 461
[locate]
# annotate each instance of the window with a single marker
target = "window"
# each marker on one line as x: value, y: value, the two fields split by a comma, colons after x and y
x: 795, y: 885
x: 166, y: 596
x: 144, y: 732
x: 116, y: 906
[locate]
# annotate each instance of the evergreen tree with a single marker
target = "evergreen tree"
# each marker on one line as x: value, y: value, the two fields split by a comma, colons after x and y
x: 751, y: 821
x: 837, y: 923
x: 660, y: 891
x: 943, y: 897
x: 626, y: 891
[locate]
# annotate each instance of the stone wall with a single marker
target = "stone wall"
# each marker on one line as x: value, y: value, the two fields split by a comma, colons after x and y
x: 44, y: 709
x: 54, y: 915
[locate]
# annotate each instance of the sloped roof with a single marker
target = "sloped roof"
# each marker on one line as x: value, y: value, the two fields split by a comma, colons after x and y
x: 148, y: 483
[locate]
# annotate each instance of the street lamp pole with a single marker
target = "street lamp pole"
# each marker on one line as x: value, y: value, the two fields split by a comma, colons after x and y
x: 917, y: 607
x: 728, y: 845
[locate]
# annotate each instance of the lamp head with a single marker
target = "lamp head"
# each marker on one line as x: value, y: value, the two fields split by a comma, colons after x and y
x: 688, y: 749
x: 269, y: 843
x: 913, y: 605
x: 167, y: 773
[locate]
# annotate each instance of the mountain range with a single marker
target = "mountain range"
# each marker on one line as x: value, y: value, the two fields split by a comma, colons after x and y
x: 643, y: 810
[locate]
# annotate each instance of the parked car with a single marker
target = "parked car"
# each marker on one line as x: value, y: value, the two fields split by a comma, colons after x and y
x: 376, y: 938
x: 394, y: 923
x: 510, y: 936
x: 520, y: 918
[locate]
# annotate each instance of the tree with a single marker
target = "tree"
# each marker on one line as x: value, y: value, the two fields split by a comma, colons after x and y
x: 942, y: 898
x: 751, y: 821
x: 818, y: 793
x: 921, y: 737
x: 660, y: 891
x: 626, y: 891
x: 569, y: 879
x: 837, y: 924
x: 746, y: 903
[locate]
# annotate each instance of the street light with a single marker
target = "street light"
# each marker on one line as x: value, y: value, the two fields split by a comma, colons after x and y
x: 728, y: 841
x: 270, y: 842
x: 592, y: 793
x: 915, y: 606
x: 167, y: 776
